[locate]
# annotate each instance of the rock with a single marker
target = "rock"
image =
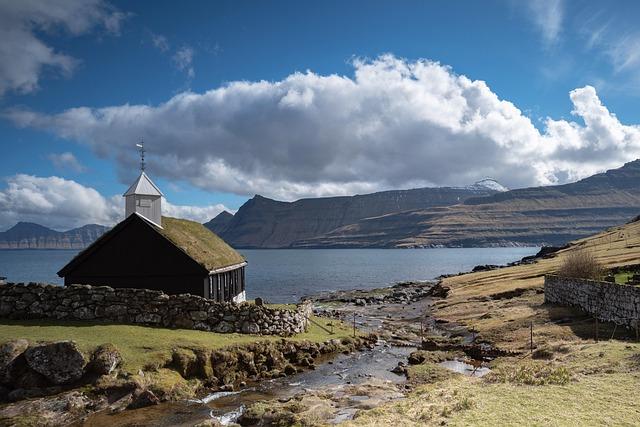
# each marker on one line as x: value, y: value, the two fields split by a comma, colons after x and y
x: 439, y: 291
x: 59, y: 362
x: 183, y: 322
x: 199, y: 315
x: 250, y: 328
x: 11, y: 364
x: 30, y: 380
x: 148, y: 318
x: 143, y: 398
x: 360, y: 302
x: 4, y: 393
x: 83, y: 313
x: 105, y: 359
x: 416, y: 358
x: 258, y: 301
x: 400, y: 369
x: 224, y: 327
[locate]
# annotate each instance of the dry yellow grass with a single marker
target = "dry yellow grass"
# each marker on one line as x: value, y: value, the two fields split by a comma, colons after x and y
x: 604, y: 375
x: 507, y: 321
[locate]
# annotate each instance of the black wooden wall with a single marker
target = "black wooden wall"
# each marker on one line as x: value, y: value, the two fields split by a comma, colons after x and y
x: 138, y: 257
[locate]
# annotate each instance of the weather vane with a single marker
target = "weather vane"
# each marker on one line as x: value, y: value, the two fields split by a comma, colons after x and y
x: 141, y: 149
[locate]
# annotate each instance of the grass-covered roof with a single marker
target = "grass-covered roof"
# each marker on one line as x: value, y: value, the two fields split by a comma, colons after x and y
x: 199, y: 243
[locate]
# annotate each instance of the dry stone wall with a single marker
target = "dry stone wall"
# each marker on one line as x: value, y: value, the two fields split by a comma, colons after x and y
x: 147, y: 307
x: 609, y: 302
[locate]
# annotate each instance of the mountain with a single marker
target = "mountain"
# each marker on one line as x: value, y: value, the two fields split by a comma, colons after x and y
x: 220, y: 223
x: 550, y: 215
x: 267, y: 223
x: 27, y: 235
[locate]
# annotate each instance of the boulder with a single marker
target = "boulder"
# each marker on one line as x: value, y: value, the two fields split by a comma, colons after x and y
x: 224, y: 327
x: 31, y: 380
x: 11, y: 362
x: 60, y: 362
x: 105, y: 359
x: 250, y: 328
x: 143, y: 398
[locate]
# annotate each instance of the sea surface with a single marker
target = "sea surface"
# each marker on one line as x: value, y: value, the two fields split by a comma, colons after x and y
x: 285, y: 275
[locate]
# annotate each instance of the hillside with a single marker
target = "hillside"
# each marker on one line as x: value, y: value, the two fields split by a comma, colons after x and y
x: 220, y: 223
x: 27, y: 235
x: 549, y: 215
x: 267, y: 223
x: 505, y: 307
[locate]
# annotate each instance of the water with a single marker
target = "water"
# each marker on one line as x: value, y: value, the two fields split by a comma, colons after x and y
x: 465, y: 368
x: 285, y: 275
x: 354, y: 368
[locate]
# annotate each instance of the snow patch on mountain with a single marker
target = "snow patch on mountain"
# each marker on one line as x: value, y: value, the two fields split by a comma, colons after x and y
x: 488, y: 183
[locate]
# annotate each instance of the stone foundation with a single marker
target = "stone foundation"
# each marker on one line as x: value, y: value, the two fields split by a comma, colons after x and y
x: 609, y: 302
x: 147, y: 307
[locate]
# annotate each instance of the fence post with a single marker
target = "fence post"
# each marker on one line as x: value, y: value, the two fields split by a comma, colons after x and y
x: 531, y: 338
x: 354, y: 325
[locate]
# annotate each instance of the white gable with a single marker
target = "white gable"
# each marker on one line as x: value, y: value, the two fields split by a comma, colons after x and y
x: 143, y: 186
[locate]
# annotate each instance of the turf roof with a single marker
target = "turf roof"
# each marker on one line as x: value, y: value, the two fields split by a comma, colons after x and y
x: 199, y: 243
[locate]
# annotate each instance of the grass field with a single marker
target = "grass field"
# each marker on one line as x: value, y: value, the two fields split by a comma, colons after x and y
x: 140, y: 345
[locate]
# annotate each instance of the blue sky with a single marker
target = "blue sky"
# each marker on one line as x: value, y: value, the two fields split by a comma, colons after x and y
x: 129, y: 58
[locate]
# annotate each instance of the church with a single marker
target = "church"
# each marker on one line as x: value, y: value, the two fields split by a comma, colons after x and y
x: 151, y: 251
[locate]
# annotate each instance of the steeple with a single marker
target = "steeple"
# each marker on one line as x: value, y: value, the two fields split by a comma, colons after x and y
x: 144, y: 197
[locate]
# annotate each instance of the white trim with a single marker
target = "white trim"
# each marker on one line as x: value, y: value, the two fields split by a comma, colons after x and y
x: 147, y: 219
x: 229, y: 268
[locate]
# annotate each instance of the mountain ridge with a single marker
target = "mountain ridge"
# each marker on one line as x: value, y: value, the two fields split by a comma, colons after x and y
x: 29, y: 235
x: 548, y: 215
x: 266, y: 223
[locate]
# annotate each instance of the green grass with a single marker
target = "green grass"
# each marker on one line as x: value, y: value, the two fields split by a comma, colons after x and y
x: 146, y: 346
x: 623, y: 277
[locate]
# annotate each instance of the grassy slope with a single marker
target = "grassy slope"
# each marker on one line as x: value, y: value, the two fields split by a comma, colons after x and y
x: 604, y: 375
x: 141, y: 345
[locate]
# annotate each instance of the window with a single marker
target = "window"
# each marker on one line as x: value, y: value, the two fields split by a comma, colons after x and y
x: 144, y: 203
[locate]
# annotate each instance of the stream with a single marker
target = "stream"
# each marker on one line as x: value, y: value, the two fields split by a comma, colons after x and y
x: 354, y: 368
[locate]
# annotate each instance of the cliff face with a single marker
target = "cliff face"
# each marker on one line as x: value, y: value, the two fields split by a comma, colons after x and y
x: 27, y: 235
x: 550, y: 215
x: 266, y: 223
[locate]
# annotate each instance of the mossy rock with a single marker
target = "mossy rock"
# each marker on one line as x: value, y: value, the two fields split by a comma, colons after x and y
x: 183, y: 361
x: 428, y: 373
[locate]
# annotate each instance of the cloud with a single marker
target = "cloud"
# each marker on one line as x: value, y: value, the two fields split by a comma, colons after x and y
x: 67, y: 161
x: 195, y: 213
x: 160, y: 42
x: 63, y: 204
x: 612, y: 38
x: 183, y: 59
x: 24, y: 56
x: 393, y: 124
x: 53, y: 201
x: 547, y: 15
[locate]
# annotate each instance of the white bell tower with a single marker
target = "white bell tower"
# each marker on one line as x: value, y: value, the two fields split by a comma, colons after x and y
x: 144, y: 197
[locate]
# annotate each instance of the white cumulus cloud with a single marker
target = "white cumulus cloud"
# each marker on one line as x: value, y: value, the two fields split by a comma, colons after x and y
x: 24, y: 55
x: 63, y: 204
x: 393, y: 124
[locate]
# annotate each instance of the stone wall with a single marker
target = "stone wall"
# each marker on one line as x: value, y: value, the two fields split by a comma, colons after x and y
x: 147, y: 307
x: 609, y: 302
